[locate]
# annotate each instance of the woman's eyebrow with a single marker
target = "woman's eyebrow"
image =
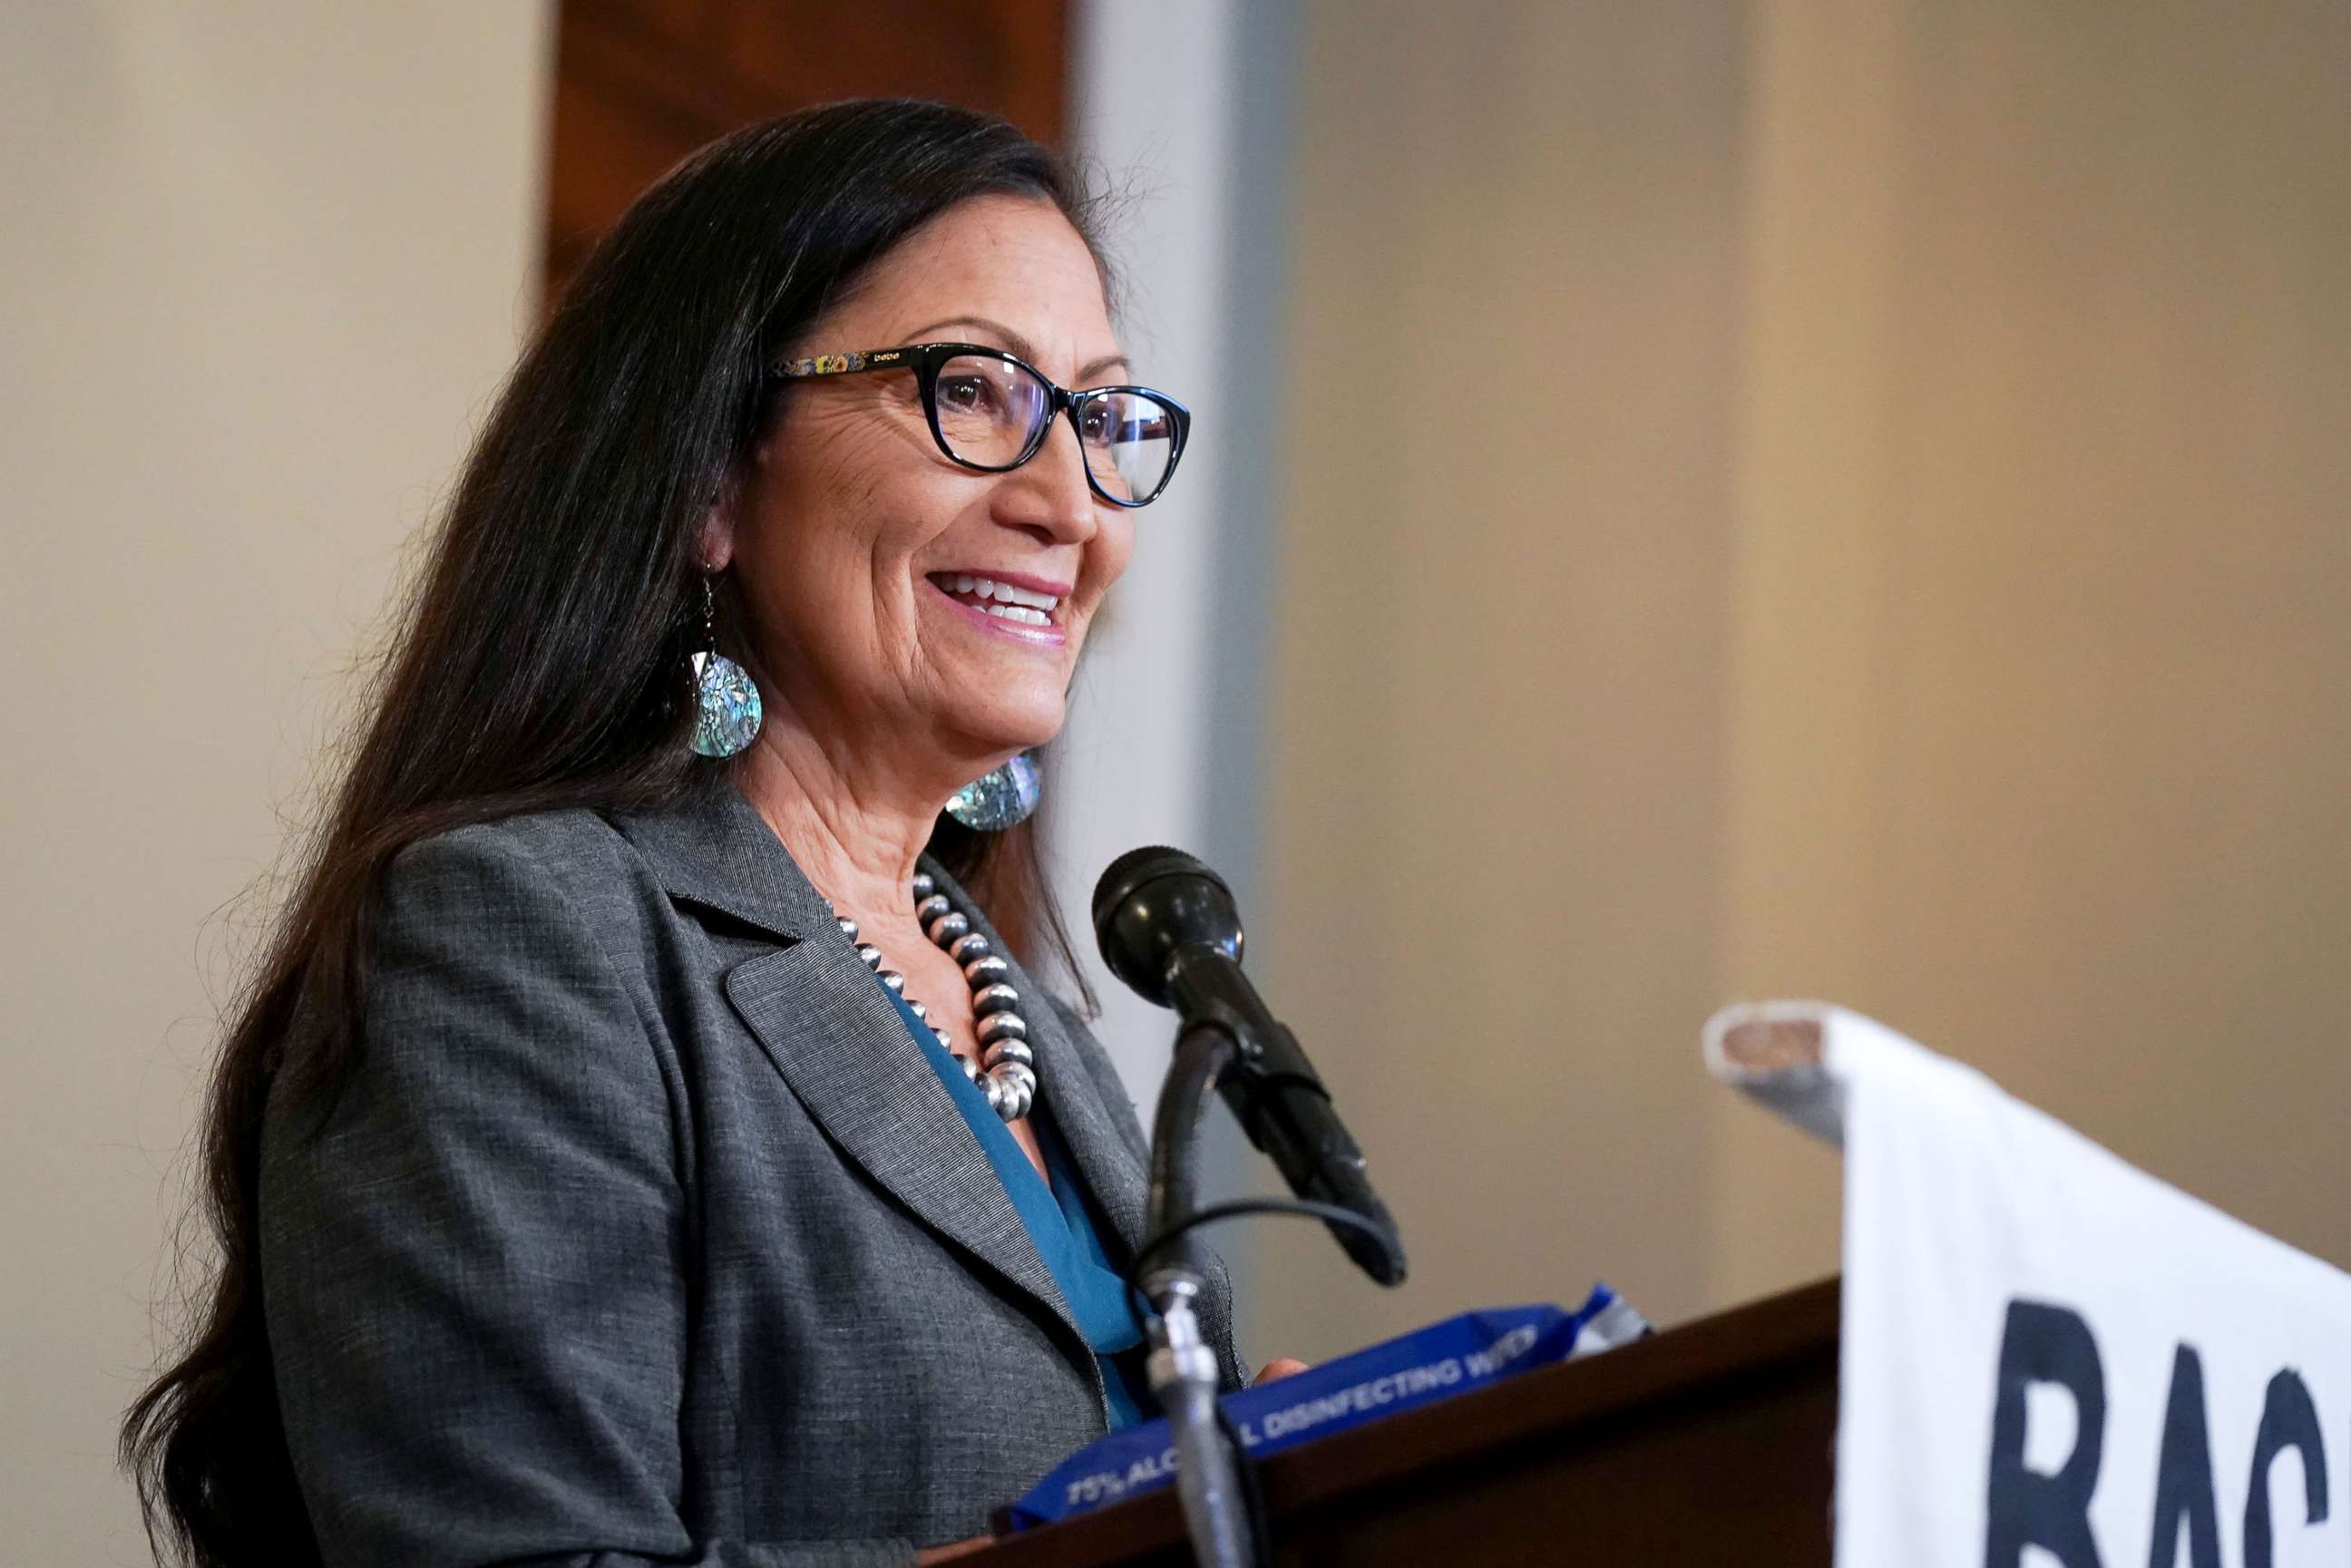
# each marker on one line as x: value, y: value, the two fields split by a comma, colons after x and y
x: 1014, y: 342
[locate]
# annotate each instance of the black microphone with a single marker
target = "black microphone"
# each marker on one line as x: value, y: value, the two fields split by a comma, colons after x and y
x: 1169, y: 929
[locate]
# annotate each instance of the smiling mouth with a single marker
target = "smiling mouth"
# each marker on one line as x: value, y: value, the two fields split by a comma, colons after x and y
x: 1002, y: 601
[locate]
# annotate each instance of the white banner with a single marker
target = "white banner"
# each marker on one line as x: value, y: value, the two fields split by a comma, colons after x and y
x: 2049, y: 1356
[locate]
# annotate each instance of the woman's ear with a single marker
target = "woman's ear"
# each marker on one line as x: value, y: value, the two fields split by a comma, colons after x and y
x: 716, y: 543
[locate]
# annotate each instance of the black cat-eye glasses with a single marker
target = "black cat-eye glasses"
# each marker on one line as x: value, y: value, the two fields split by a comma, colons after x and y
x: 990, y: 411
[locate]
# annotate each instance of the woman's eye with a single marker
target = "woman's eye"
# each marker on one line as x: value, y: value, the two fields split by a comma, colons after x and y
x: 1096, y: 426
x: 967, y: 394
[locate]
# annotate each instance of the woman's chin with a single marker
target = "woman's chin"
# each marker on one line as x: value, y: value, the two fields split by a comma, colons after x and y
x: 1008, y: 732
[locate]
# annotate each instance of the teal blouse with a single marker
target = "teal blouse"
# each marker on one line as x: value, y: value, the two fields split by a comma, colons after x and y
x: 1063, y: 1223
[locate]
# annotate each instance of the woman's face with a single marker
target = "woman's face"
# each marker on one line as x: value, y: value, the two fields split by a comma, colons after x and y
x: 854, y: 535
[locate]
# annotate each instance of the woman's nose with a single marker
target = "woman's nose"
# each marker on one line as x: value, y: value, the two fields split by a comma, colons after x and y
x: 1053, y: 499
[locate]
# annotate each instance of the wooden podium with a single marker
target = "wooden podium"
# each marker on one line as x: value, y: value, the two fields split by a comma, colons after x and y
x: 1709, y: 1444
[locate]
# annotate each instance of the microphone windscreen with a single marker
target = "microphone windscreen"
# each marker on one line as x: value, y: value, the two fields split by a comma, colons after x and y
x: 1131, y: 870
x: 1151, y: 903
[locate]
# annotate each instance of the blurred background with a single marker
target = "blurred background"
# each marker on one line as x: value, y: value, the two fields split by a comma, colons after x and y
x: 1692, y: 501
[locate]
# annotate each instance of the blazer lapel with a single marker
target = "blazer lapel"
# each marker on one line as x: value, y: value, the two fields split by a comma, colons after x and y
x: 845, y: 1049
x: 1113, y: 1170
x: 836, y: 1039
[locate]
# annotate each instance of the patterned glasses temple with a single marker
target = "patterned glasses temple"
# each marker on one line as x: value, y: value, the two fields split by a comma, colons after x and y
x: 838, y: 364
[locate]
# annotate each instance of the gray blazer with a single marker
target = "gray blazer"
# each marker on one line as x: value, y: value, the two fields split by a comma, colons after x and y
x: 644, y: 1232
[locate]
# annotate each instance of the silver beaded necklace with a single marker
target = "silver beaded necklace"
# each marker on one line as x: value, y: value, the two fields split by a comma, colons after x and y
x: 1010, y: 1081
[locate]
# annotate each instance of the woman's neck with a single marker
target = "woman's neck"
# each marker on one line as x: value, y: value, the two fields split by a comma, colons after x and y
x: 855, y: 832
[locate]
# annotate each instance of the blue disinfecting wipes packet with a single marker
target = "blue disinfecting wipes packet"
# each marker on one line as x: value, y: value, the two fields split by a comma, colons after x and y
x: 1403, y: 1373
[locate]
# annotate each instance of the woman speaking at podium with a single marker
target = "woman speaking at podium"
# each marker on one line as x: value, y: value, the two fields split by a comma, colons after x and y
x: 643, y: 1139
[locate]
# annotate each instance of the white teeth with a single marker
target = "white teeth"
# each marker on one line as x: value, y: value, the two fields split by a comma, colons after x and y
x: 1021, y: 614
x: 1007, y: 593
x: 991, y: 592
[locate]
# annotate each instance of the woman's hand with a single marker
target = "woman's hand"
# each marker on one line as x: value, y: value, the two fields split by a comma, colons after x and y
x: 1278, y: 1369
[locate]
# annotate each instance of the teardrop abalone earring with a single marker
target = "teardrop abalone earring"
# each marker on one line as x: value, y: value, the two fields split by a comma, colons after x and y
x: 726, y: 700
x: 1000, y: 798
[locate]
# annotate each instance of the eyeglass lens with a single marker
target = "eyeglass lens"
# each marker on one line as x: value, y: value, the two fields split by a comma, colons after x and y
x: 989, y: 410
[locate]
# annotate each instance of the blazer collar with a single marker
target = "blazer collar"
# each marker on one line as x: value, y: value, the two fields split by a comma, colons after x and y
x: 715, y: 849
x: 844, y: 1048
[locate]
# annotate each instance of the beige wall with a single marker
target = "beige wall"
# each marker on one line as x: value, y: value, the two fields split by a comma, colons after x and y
x: 1837, y: 498
x: 2043, y: 687
x: 1498, y: 733
x: 263, y: 268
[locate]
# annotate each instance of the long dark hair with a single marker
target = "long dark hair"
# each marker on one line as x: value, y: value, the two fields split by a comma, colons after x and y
x: 540, y: 664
